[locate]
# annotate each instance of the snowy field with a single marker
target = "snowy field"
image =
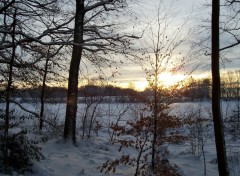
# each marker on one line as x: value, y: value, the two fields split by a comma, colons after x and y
x: 61, y: 158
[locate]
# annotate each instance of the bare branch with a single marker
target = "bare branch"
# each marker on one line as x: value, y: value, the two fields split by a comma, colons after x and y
x: 230, y: 46
x: 32, y: 112
x: 98, y: 4
x: 6, y: 6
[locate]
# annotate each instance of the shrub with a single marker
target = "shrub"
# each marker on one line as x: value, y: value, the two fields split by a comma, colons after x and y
x: 17, y: 148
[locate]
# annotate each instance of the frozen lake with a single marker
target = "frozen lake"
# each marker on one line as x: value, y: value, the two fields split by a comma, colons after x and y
x: 64, y: 159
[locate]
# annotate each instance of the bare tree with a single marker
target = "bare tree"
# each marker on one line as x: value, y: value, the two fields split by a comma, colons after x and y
x: 93, y: 96
x: 159, y: 57
x: 216, y: 109
x: 116, y: 117
x: 231, y: 91
x: 19, y: 47
x: 229, y: 27
x: 229, y: 31
x: 95, y: 38
x: 50, y: 56
x: 8, y: 92
x: 30, y: 57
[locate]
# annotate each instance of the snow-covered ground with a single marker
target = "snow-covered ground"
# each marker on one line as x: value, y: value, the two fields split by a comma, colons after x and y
x: 65, y: 159
x: 62, y: 158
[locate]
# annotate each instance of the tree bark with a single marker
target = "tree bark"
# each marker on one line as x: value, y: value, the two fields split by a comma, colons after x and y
x: 43, y: 93
x: 216, y: 109
x: 71, y: 109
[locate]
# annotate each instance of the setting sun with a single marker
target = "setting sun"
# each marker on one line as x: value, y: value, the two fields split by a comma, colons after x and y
x: 141, y: 85
x: 168, y: 79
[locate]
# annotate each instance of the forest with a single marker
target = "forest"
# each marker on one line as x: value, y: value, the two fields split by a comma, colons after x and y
x: 119, y: 87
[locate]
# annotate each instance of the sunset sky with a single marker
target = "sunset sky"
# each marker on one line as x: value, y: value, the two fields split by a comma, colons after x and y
x: 196, y: 66
x: 187, y: 13
x: 182, y: 10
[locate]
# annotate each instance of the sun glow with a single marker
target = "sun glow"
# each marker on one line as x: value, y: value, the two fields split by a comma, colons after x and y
x: 141, y: 85
x: 168, y: 79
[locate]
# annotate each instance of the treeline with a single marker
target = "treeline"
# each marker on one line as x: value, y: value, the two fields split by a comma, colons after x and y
x: 59, y: 94
x: 197, y: 89
x: 230, y: 86
x: 193, y: 90
x: 200, y: 89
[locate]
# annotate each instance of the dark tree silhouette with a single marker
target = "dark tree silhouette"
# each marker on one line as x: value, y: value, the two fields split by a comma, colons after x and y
x: 70, y: 120
x: 8, y: 92
x: 230, y: 24
x: 18, y: 52
x: 216, y: 110
x: 94, y: 39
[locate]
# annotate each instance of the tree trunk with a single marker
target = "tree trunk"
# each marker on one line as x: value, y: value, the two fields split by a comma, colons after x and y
x: 155, y: 120
x: 71, y: 109
x: 43, y: 93
x: 8, y: 92
x: 216, y: 110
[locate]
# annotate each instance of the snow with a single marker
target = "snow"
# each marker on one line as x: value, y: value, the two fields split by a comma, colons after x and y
x: 191, y: 164
x: 65, y: 159
x: 61, y: 158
